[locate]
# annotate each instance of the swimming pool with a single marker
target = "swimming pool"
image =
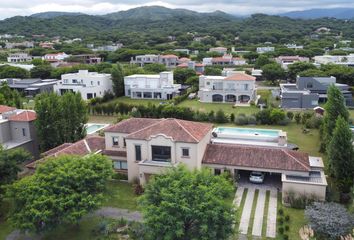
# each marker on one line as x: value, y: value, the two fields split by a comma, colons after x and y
x: 248, y: 131
x: 92, y: 128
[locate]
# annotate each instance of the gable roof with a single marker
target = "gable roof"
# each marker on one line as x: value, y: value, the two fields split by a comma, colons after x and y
x: 24, y: 116
x: 178, y: 130
x: 4, y: 108
x: 91, y: 144
x: 132, y: 125
x: 256, y: 157
x: 240, y: 77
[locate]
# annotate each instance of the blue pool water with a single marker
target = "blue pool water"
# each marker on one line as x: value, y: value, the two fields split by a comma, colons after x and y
x: 92, y: 128
x: 248, y: 131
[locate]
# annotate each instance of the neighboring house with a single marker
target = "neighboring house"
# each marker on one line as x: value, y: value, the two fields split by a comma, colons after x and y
x: 237, y: 88
x: 294, y: 46
x: 17, y: 129
x: 25, y: 44
x: 182, y: 50
x: 257, y: 73
x: 145, y: 59
x: 169, y: 60
x: 46, y: 45
x: 198, y: 67
x: 285, y: 61
x: 144, y: 147
x: 225, y: 60
x: 89, y: 84
x: 109, y: 48
x: 151, y: 86
x: 31, y: 87
x: 86, y: 58
x: 308, y: 92
x: 19, y: 57
x: 265, y: 49
x: 347, y: 60
x: 220, y: 50
x: 55, y: 57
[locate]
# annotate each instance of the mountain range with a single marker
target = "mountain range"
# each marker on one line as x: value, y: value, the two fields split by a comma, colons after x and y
x: 339, y: 13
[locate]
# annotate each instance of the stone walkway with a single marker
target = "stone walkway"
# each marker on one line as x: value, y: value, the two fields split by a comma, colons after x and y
x: 238, y: 196
x: 246, y: 213
x: 272, y: 215
x: 259, y: 214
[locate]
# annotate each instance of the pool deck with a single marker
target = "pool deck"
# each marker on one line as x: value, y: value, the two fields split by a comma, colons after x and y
x: 102, y: 126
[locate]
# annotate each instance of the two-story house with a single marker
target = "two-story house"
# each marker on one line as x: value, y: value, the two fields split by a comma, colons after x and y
x: 308, y: 92
x: 17, y: 129
x: 236, y: 88
x: 19, y: 57
x: 151, y: 86
x: 285, y: 61
x: 143, y: 147
x: 55, y: 57
x: 141, y: 60
x: 220, y: 50
x: 89, y: 84
x: 169, y: 60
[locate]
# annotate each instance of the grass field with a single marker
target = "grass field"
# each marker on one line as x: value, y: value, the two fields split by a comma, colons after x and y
x: 120, y: 195
x: 227, y: 108
x: 129, y: 100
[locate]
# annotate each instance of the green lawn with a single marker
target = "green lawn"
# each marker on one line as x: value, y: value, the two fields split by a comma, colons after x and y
x: 129, y: 100
x: 120, y: 195
x: 226, y: 107
x: 5, y: 227
x: 102, y: 119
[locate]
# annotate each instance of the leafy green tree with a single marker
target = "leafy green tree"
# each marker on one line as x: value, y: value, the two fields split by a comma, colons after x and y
x: 118, y: 80
x: 220, y: 117
x: 61, y: 191
x: 9, y: 163
x: 10, y: 97
x: 42, y: 71
x: 181, y: 204
x: 194, y: 82
x: 7, y: 71
x: 154, y: 68
x: 212, y: 71
x: 251, y: 56
x: 262, y: 60
x: 312, y: 73
x: 296, y: 68
x: 60, y: 119
x: 182, y: 74
x: 273, y: 72
x: 341, y: 155
x: 334, y: 108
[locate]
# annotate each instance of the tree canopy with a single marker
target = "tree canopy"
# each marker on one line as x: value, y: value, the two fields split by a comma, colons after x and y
x: 181, y: 204
x: 61, y: 191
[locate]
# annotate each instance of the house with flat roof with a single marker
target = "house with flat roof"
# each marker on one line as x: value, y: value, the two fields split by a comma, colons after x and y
x: 143, y: 147
x: 226, y: 59
x: 346, y: 60
x: 265, y: 49
x: 308, y: 92
x: 17, y: 129
x: 89, y: 84
x: 285, y: 61
x: 220, y: 50
x: 19, y: 57
x: 31, y: 87
x: 234, y: 88
x: 55, y: 57
x: 151, y: 86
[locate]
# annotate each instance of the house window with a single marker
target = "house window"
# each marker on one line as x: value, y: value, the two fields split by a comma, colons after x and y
x: 246, y: 87
x: 185, y: 152
x: 24, y: 132
x: 74, y: 81
x: 120, y: 165
x: 137, y: 153
x: 115, y: 141
x: 217, y: 171
x: 65, y: 80
x: 161, y: 153
x: 309, y: 85
x: 124, y: 142
x: 98, y: 83
x: 91, y: 83
x: 208, y: 83
x: 314, y: 102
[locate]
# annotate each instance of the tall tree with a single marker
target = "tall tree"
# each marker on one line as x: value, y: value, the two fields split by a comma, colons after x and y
x: 60, y: 119
x: 334, y: 108
x: 61, y: 191
x: 296, y: 68
x: 188, y: 205
x: 118, y: 80
x: 273, y: 72
x: 341, y: 155
x: 42, y: 71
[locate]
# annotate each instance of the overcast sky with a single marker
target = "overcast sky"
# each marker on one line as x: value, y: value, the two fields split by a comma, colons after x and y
x: 9, y: 8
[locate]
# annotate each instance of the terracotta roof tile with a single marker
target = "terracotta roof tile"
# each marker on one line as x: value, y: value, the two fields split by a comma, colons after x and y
x: 240, y: 77
x: 114, y: 153
x: 56, y: 149
x: 256, y: 157
x: 178, y: 130
x: 169, y: 56
x: 131, y: 125
x: 4, y: 108
x: 24, y: 116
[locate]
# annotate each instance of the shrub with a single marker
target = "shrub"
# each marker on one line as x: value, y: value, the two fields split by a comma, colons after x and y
x: 252, y: 120
x: 314, y: 122
x: 232, y: 117
x: 290, y: 115
x: 263, y: 116
x: 281, y: 230
x: 305, y: 116
x: 299, y: 201
x: 286, y: 228
x: 119, y: 176
x: 280, y: 221
x: 287, y: 218
x: 281, y: 212
x: 329, y: 220
x: 285, y: 237
x: 277, y: 115
x: 297, y: 117
x: 241, y: 120
x: 284, y: 122
x: 220, y: 117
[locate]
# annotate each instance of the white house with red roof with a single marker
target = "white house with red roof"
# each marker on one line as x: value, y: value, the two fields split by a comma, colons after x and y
x: 17, y: 129
x: 55, y: 57
x: 236, y: 88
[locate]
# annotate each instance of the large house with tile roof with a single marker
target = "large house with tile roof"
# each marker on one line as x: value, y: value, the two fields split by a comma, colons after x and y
x: 17, y: 129
x: 143, y: 147
x: 235, y: 88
